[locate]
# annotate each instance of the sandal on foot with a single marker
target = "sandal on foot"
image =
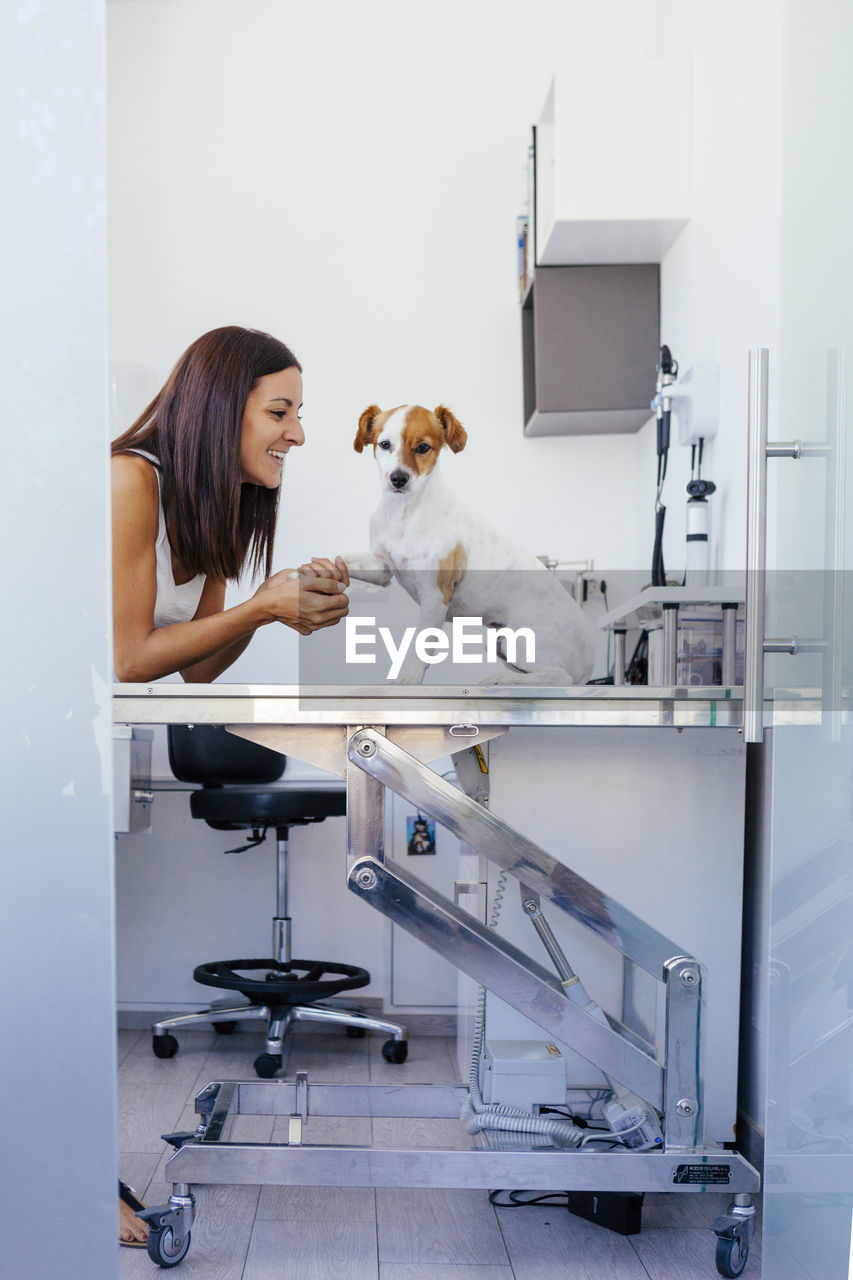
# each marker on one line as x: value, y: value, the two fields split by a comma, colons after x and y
x: 130, y: 1198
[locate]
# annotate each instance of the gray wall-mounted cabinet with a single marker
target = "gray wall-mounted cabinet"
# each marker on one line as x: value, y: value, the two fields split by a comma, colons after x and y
x: 590, y: 341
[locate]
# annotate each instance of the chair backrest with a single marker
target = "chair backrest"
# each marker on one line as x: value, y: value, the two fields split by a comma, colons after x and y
x: 209, y: 754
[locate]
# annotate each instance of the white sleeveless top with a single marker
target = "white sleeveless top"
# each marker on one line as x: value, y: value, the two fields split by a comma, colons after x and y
x: 175, y: 602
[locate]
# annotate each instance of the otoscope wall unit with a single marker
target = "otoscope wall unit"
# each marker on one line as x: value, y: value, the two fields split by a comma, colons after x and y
x: 694, y: 398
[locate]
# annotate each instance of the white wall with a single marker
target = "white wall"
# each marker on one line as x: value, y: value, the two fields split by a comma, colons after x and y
x: 720, y: 281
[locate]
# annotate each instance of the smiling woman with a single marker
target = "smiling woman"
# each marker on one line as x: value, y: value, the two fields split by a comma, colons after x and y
x: 195, y: 489
x: 271, y: 426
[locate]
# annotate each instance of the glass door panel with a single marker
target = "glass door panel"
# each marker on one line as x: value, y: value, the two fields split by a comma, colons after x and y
x: 808, y: 1187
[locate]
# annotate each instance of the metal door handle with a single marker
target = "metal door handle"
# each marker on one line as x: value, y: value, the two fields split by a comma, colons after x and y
x: 759, y: 450
x: 756, y: 545
x: 755, y: 645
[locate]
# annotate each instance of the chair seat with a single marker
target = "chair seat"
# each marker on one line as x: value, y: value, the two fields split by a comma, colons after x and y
x: 237, y: 807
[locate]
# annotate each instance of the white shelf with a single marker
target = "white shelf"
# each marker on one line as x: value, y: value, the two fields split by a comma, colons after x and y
x: 613, y: 161
x: 590, y: 338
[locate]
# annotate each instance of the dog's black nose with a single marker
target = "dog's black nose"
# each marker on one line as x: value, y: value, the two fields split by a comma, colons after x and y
x: 399, y: 479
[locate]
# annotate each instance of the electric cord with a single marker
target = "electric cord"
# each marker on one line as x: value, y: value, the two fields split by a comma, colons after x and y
x: 658, y: 570
x: 615, y: 1139
x: 662, y: 461
x: 497, y: 904
x: 667, y: 371
x: 594, y: 1133
x: 584, y: 1122
x: 637, y: 670
x: 557, y: 1198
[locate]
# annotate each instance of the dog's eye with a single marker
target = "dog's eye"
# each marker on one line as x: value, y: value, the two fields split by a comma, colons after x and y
x: 423, y: 447
x: 384, y: 444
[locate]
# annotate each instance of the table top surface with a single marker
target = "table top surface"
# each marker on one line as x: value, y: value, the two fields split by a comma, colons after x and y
x: 699, y: 705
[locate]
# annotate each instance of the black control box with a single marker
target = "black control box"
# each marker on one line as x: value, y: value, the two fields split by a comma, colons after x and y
x: 616, y: 1210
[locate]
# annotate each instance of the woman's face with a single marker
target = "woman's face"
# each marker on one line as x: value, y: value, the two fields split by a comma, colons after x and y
x: 270, y: 427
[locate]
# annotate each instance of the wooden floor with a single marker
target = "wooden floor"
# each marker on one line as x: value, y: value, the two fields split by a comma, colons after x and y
x: 300, y: 1233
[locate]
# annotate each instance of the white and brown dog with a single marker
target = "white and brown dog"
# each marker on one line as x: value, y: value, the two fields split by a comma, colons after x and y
x: 455, y: 564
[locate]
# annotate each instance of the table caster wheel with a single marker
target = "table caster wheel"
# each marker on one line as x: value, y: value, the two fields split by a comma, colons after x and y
x: 267, y: 1064
x: 225, y: 1028
x: 164, y: 1046
x: 356, y: 1033
x: 395, y: 1051
x: 731, y: 1256
x: 164, y: 1249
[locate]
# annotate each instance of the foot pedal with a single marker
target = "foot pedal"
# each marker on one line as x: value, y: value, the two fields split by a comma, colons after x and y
x: 619, y: 1211
x: 178, y: 1139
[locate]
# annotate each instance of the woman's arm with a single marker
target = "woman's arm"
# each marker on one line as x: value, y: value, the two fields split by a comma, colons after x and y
x: 212, y: 602
x: 204, y: 647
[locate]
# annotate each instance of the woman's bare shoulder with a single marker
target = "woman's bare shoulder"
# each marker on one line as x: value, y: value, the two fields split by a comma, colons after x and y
x: 135, y: 497
x: 133, y: 477
x: 133, y: 471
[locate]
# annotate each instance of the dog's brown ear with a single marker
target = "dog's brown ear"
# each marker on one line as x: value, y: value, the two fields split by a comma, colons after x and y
x: 365, y: 427
x: 454, y: 432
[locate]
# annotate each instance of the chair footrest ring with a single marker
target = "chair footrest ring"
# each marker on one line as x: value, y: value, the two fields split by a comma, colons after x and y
x: 299, y: 982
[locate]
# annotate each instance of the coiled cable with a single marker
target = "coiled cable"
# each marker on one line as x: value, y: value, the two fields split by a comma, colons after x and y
x: 476, y: 1114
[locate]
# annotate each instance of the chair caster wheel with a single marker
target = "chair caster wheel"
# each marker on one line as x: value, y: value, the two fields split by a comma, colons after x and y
x: 162, y: 1248
x: 225, y: 1028
x: 731, y: 1256
x: 395, y: 1050
x: 356, y: 1033
x: 164, y: 1046
x: 267, y: 1064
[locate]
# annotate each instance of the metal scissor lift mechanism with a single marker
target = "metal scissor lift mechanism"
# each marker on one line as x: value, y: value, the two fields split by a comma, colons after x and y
x: 687, y: 1161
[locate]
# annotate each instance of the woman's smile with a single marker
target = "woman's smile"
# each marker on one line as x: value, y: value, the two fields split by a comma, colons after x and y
x: 270, y: 427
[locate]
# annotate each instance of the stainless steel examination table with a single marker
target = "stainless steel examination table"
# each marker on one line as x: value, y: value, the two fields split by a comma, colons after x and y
x: 387, y: 738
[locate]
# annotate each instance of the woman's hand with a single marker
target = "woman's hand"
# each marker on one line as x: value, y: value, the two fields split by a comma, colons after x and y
x: 320, y: 567
x: 306, y: 599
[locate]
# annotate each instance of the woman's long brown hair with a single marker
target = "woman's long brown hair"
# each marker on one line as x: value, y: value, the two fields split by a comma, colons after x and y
x: 217, y: 524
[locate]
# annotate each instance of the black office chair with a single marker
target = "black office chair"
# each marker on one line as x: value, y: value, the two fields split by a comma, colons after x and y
x: 236, y: 795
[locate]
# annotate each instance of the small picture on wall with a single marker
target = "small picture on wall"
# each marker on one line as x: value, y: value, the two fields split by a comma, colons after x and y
x: 420, y: 835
